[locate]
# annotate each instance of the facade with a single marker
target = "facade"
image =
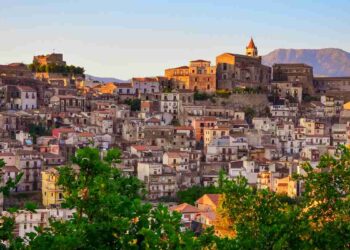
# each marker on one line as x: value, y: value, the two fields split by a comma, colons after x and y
x: 52, y: 194
x: 159, y: 179
x: 30, y: 163
x: 294, y: 73
x: 198, y: 76
x: 22, y: 98
x: 145, y: 85
x: 53, y: 58
x: 235, y: 70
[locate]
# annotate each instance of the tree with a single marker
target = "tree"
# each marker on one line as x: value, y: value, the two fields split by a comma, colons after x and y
x: 249, y: 114
x: 110, y: 212
x: 135, y: 104
x: 192, y: 194
x: 262, y: 219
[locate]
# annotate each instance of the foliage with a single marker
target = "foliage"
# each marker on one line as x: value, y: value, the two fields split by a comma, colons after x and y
x: 192, y: 194
x: 223, y: 93
x: 247, y: 90
x: 201, y: 96
x: 55, y: 68
x: 135, y: 104
x: 249, y: 114
x: 7, y: 223
x: 110, y: 213
x: 309, y: 98
x: 36, y: 130
x: 262, y: 219
x: 175, y: 122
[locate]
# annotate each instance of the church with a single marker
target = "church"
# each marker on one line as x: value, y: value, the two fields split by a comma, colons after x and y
x: 234, y: 70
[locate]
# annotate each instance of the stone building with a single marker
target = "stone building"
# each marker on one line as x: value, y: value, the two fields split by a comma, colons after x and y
x: 198, y: 76
x: 241, y: 70
x: 294, y: 73
x: 53, y: 58
x: 324, y: 84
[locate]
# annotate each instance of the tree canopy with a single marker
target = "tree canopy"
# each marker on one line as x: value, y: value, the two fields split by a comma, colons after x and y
x: 111, y: 213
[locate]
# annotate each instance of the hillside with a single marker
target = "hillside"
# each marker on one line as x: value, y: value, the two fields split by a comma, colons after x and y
x: 326, y: 62
x: 103, y: 79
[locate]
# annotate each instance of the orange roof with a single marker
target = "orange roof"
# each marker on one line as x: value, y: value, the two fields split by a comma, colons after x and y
x: 8, y: 169
x: 214, y: 198
x: 184, y: 128
x: 251, y: 44
x: 200, y: 60
x: 145, y: 104
x: 145, y: 148
x: 86, y: 134
x: 185, y: 208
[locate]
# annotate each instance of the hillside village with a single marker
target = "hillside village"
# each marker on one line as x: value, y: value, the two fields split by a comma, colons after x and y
x: 183, y: 129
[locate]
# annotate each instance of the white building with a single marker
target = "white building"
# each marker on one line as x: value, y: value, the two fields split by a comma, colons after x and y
x: 144, y: 85
x: 25, y: 98
x: 26, y: 221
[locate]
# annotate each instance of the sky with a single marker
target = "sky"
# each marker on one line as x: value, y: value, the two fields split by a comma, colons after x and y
x: 134, y: 38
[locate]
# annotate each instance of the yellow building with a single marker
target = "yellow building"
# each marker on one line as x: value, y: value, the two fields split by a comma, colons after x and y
x: 52, y: 194
x: 286, y: 186
x: 198, y: 76
x: 213, y: 133
x: 346, y: 106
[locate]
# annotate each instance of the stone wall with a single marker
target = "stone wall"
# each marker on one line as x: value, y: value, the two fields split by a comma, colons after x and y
x: 258, y: 101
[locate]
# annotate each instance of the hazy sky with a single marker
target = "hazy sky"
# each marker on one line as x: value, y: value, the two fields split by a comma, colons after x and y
x: 142, y: 38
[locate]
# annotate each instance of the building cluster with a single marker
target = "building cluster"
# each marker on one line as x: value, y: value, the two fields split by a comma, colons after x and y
x: 171, y: 138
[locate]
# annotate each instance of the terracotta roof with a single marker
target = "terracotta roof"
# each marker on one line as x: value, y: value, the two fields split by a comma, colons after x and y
x: 213, y: 197
x: 86, y: 134
x: 184, y: 208
x: 8, y: 169
x: 145, y: 147
x: 26, y: 89
x: 251, y: 44
x: 6, y: 154
x: 200, y: 60
x: 177, y: 154
x: 184, y: 128
x: 153, y: 120
x: 145, y: 79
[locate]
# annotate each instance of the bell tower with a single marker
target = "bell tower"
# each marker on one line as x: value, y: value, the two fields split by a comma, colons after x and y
x: 251, y: 49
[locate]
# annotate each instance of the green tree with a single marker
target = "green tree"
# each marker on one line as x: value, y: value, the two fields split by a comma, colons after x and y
x: 135, y: 104
x: 192, y: 194
x: 320, y: 219
x: 110, y: 212
x: 249, y: 114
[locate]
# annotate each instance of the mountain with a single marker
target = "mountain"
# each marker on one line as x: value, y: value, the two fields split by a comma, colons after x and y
x: 326, y: 62
x: 103, y: 79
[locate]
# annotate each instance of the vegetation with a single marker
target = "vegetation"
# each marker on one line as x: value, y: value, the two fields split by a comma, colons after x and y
x: 247, y: 90
x: 201, y: 96
x: 249, y: 114
x: 223, y: 93
x: 135, y: 104
x: 36, y: 130
x: 319, y: 220
x: 192, y: 194
x: 54, y: 68
x: 110, y: 213
x: 308, y: 98
x: 175, y: 122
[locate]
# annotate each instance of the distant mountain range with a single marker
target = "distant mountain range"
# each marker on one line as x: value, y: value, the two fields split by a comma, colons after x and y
x: 326, y: 62
x: 104, y: 79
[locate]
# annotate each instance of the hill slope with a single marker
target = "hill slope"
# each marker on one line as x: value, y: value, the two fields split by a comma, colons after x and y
x: 326, y: 62
x: 103, y: 79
